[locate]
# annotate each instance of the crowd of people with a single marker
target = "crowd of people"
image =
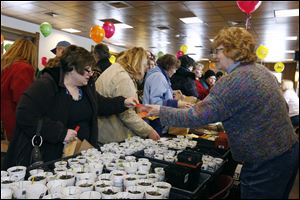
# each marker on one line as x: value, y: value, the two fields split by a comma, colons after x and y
x: 82, y: 88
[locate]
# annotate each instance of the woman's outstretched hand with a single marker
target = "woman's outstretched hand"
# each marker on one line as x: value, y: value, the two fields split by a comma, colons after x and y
x: 131, y: 102
x: 153, y: 110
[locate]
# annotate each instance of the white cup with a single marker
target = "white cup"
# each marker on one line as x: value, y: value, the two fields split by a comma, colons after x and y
x: 55, y: 186
x: 6, y: 193
x: 135, y: 192
x: 71, y: 192
x: 19, y: 189
x: 90, y: 195
x: 17, y: 172
x: 153, y: 193
x: 36, y: 191
x: 85, y: 185
x: 164, y: 188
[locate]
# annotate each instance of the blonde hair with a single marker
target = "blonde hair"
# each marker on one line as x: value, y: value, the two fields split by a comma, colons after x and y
x: 21, y: 49
x: 132, y: 61
x: 198, y: 64
x: 287, y: 85
x: 239, y: 44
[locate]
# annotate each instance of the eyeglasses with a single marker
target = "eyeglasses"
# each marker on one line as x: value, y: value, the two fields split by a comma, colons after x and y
x: 216, y: 51
x: 89, y: 70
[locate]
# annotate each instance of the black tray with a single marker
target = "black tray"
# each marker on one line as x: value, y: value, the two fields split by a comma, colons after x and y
x: 195, y: 190
x: 212, y: 151
x: 195, y: 193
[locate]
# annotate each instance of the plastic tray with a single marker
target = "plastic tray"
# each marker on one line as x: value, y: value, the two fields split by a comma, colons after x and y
x: 196, y: 189
x: 194, y: 193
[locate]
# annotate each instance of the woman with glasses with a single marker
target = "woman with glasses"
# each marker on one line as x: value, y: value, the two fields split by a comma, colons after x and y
x: 64, y: 97
x: 249, y: 102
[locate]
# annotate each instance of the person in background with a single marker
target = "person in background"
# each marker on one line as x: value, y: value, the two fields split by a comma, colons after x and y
x: 151, y: 64
x: 158, y: 90
x: 151, y: 59
x: 184, y: 79
x: 63, y: 97
x: 102, y: 55
x: 18, y: 66
x: 206, y: 83
x: 121, y: 79
x: 58, y: 51
x: 198, y: 71
x: 219, y: 74
x: 292, y: 100
x: 249, y: 103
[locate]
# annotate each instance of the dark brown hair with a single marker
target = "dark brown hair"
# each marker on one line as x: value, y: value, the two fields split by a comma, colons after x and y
x: 168, y: 61
x: 77, y: 58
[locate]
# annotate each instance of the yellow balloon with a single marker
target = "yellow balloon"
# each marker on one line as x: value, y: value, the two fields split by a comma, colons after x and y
x: 112, y: 59
x: 184, y: 48
x: 279, y: 67
x: 262, y: 52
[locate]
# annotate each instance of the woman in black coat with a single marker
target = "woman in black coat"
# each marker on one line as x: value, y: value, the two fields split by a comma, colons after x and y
x: 184, y: 79
x: 64, y: 97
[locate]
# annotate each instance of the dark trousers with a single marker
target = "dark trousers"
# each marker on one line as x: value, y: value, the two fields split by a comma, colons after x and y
x: 271, y: 179
x: 295, y: 120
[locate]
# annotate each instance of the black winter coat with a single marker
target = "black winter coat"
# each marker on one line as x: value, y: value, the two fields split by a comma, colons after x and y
x: 184, y: 80
x: 46, y: 98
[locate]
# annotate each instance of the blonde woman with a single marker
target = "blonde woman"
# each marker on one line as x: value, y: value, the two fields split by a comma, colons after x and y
x: 18, y: 66
x: 292, y: 100
x: 121, y: 79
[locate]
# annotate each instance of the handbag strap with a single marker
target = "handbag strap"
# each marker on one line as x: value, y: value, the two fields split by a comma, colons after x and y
x: 38, y: 133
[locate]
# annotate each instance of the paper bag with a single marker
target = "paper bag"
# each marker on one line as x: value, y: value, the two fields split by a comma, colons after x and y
x: 71, y: 147
x: 85, y: 145
x: 75, y: 147
x: 178, y: 131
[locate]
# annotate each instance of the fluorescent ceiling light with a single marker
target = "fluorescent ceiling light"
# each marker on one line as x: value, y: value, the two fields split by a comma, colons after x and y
x: 71, y: 30
x: 289, y: 51
x: 287, y: 13
x: 291, y: 38
x: 164, y: 42
x: 122, y: 26
x: 288, y: 59
x: 191, y: 20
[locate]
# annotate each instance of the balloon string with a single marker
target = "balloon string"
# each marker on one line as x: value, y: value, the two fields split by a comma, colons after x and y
x: 248, y: 21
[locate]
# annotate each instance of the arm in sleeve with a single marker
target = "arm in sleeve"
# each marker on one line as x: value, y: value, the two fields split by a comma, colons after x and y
x: 109, y: 106
x: 131, y: 120
x: 33, y: 106
x: 21, y: 81
x: 219, y: 105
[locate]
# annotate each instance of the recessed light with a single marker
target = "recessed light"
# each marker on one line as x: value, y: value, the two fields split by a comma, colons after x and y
x: 122, y: 26
x: 291, y: 38
x: 211, y: 40
x: 289, y: 51
x: 71, y: 30
x: 191, y: 20
x: 287, y: 13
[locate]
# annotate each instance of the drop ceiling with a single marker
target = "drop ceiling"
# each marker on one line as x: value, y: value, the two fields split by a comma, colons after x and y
x: 156, y: 24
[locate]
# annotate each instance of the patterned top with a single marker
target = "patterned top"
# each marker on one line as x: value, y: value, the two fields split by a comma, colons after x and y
x: 250, y: 104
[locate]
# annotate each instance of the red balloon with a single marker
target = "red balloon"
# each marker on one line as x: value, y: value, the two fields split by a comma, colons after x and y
x: 179, y: 54
x: 109, y: 29
x: 44, y: 61
x: 248, y: 7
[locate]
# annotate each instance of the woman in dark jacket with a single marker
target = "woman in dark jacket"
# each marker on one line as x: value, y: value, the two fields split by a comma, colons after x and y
x: 184, y: 79
x: 64, y: 97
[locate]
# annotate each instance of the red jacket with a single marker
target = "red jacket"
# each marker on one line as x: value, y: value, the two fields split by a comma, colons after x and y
x: 15, y: 79
x: 201, y: 89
